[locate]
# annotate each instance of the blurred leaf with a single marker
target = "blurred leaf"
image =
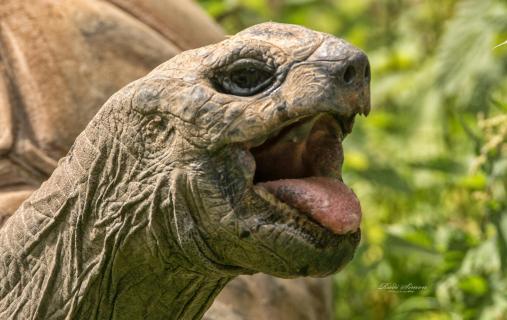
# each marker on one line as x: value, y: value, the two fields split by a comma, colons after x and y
x: 417, y: 304
x: 474, y: 182
x: 386, y: 177
x: 474, y: 285
x: 439, y: 164
x: 408, y: 245
x: 356, y: 161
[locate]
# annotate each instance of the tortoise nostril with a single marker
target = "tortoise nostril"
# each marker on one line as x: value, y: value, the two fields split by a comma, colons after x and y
x: 367, y: 73
x: 349, y: 74
x: 355, y: 70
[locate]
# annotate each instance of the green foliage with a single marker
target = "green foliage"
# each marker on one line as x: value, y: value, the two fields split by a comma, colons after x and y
x: 430, y: 162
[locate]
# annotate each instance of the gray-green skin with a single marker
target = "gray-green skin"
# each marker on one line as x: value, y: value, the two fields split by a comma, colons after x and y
x: 154, y: 208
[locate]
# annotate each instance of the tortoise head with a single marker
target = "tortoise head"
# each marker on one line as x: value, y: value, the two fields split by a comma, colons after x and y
x: 241, y: 144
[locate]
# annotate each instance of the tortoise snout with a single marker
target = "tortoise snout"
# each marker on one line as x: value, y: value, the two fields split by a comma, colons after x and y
x: 343, y: 74
x: 353, y: 83
x: 351, y: 77
x: 355, y: 71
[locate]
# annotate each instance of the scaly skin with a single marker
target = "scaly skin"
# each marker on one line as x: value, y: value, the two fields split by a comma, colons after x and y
x: 154, y: 209
x: 61, y: 60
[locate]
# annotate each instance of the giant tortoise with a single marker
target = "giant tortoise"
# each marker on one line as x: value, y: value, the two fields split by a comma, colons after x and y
x: 31, y: 140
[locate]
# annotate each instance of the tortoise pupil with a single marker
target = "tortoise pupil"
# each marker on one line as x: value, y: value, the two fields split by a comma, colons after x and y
x: 249, y: 78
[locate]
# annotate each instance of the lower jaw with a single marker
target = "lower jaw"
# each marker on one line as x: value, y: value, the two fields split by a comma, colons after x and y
x: 309, y: 231
x: 302, y: 256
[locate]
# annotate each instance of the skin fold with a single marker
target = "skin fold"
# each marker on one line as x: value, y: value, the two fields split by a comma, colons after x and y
x: 61, y: 60
x: 111, y: 43
x: 142, y: 219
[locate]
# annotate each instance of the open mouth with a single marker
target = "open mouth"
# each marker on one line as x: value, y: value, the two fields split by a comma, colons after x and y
x: 300, y: 166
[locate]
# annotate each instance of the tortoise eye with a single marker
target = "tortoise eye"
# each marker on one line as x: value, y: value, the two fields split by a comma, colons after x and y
x: 245, y: 77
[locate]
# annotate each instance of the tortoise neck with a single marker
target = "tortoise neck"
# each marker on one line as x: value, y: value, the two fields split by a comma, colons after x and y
x: 84, y: 246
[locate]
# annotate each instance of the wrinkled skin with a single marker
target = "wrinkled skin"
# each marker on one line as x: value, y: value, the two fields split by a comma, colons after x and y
x: 90, y: 50
x: 61, y: 60
x: 145, y: 196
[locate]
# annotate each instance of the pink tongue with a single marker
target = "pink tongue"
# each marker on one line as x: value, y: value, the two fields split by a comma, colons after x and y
x: 326, y: 200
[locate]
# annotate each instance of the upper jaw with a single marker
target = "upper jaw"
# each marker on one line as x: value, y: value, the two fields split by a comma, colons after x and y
x: 310, y: 146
